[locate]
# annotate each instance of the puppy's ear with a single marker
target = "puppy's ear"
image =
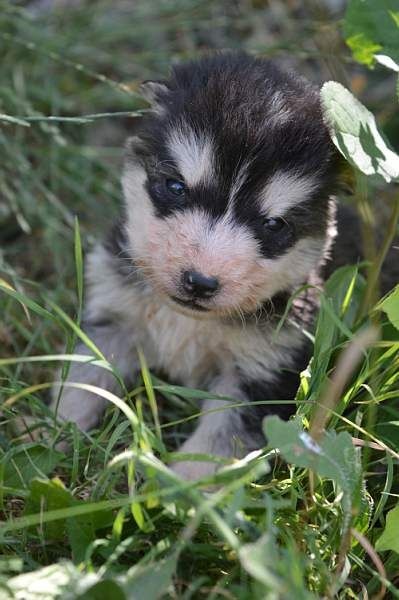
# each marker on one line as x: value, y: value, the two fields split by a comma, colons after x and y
x: 155, y: 92
x: 135, y: 149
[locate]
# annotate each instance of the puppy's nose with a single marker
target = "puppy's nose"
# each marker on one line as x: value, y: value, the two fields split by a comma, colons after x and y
x: 199, y: 285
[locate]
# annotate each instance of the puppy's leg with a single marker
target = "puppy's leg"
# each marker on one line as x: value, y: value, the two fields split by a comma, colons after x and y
x: 233, y: 432
x: 221, y: 431
x: 85, y: 408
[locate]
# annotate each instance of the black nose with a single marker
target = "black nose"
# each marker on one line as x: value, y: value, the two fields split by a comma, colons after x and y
x: 199, y: 285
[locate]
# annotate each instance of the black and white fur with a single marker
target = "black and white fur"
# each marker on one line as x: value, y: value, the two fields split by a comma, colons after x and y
x: 230, y: 177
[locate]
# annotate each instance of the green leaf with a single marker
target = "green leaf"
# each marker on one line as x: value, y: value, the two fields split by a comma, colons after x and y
x: 11, y: 563
x: 145, y: 373
x: 334, y: 457
x: 80, y: 532
x: 14, y: 120
x: 102, y: 590
x: 258, y: 559
x: 79, y: 266
x: 79, y: 332
x: 48, y: 495
x: 21, y: 466
x: 340, y: 301
x: 355, y: 133
x: 390, y: 305
x: 138, y: 515
x: 188, y: 393
x: 51, y: 495
x: 25, y: 301
x: 371, y: 29
x: 94, y: 509
x: 152, y: 580
x: 389, y: 540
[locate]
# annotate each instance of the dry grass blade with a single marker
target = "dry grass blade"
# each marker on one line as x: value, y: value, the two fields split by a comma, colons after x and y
x: 347, y: 363
x: 376, y: 560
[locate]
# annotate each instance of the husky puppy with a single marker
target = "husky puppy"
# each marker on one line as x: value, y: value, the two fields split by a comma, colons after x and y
x: 228, y: 211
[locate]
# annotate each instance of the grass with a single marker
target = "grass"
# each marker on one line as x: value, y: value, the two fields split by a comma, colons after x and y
x: 109, y: 518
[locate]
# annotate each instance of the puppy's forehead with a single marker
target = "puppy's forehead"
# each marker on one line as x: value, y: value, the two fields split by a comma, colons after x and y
x: 285, y: 190
x: 264, y: 157
x: 193, y: 153
x: 202, y: 163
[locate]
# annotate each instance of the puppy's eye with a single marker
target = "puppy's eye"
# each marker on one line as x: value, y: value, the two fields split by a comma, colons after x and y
x: 276, y: 224
x: 175, y: 187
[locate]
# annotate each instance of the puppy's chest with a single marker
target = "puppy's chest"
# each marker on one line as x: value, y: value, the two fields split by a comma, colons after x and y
x: 193, y: 351
x: 189, y: 351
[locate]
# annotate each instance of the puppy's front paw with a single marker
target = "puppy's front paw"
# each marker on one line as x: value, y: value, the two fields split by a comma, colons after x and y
x: 203, y: 441
x: 79, y: 406
x: 194, y: 470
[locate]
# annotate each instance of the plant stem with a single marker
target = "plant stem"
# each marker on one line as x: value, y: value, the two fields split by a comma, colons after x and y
x: 367, y: 218
x: 376, y: 266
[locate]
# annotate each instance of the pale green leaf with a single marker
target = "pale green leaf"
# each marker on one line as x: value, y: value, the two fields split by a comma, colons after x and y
x: 355, y: 133
x: 138, y: 514
x: 51, y: 495
x: 150, y: 581
x: 79, y: 265
x: 48, y: 495
x: 390, y: 305
x: 14, y: 120
x: 333, y: 458
x: 59, y: 580
x: 23, y: 464
x: 389, y: 540
x: 387, y: 62
x: 258, y: 559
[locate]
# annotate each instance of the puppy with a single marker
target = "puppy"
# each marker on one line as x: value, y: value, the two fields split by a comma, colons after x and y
x: 228, y: 211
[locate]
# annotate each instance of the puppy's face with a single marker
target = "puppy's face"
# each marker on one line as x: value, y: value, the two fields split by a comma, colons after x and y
x: 227, y: 186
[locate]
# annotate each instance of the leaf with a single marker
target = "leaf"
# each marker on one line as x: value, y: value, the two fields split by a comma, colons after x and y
x: 389, y: 540
x: 102, y: 590
x: 151, y: 488
x: 11, y: 563
x: 188, y: 393
x: 258, y: 559
x: 387, y: 62
x: 14, y: 120
x: 64, y: 580
x: 334, y: 458
x: 355, y: 133
x: 48, y: 495
x: 22, y: 466
x: 390, y: 305
x: 61, y: 580
x: 138, y: 515
x: 25, y: 301
x: 51, y: 495
x: 145, y: 373
x: 80, y: 532
x: 78, y: 265
x: 371, y: 29
x: 79, y: 332
x: 341, y: 298
x: 152, y: 580
x: 99, y: 511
